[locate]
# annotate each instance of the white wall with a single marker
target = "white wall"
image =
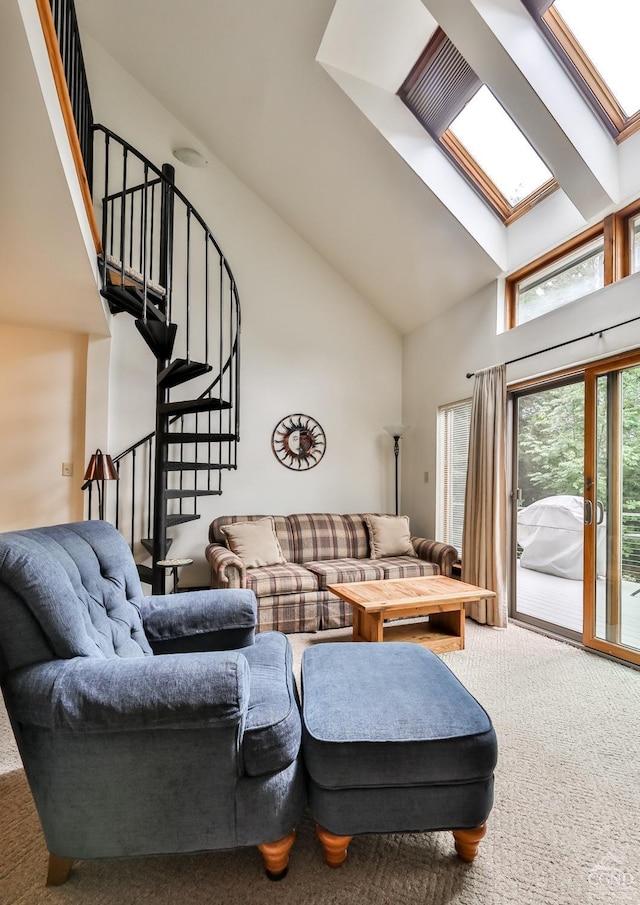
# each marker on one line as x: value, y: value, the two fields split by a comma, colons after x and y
x: 438, y: 356
x: 310, y: 343
x: 43, y: 377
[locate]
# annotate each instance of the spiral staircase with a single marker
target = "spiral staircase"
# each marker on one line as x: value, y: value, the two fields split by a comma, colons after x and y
x: 161, y: 265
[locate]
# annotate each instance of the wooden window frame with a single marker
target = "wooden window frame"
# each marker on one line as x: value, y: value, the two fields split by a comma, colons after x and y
x: 464, y: 162
x: 616, y: 232
x: 586, y: 76
x: 487, y: 187
x: 625, y: 218
x: 541, y: 263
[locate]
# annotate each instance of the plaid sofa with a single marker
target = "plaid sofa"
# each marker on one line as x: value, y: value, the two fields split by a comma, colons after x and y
x: 320, y: 549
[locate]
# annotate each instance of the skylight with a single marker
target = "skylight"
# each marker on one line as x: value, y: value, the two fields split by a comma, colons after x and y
x: 474, y: 130
x: 608, y: 33
x: 499, y: 147
x: 596, y: 42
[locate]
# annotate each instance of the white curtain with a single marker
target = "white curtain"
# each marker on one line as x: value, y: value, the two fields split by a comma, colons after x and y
x: 484, y: 537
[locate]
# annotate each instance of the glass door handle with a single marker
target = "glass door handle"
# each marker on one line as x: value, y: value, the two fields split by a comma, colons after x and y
x: 599, y: 512
x: 588, y: 512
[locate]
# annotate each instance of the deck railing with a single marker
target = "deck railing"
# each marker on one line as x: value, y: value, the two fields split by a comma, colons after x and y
x: 631, y: 546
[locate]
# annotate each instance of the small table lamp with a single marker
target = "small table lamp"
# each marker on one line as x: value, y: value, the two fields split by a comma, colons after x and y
x: 396, y: 431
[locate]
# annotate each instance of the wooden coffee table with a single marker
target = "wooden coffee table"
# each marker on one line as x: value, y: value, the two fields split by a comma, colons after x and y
x: 439, y: 598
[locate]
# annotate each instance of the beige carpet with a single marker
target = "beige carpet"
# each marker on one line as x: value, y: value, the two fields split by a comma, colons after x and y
x: 565, y: 828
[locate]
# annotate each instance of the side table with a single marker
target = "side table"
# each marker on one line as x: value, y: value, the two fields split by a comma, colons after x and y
x: 174, y: 565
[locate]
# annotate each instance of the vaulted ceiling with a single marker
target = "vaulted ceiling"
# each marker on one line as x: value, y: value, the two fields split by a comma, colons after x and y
x: 243, y: 77
x: 297, y: 98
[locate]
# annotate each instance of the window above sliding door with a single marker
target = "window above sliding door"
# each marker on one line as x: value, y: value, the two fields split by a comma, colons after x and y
x: 606, y: 252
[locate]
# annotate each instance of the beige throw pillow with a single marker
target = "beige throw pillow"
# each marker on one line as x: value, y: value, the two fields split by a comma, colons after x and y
x: 254, y: 542
x: 389, y: 535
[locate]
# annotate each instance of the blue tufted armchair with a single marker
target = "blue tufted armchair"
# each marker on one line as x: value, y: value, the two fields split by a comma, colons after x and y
x: 146, y: 725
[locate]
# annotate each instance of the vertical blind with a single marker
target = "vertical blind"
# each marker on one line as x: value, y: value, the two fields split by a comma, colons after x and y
x: 453, y: 451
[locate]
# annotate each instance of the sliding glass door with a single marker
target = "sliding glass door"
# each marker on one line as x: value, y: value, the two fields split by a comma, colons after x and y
x: 612, y: 508
x: 576, y: 506
x: 547, y: 515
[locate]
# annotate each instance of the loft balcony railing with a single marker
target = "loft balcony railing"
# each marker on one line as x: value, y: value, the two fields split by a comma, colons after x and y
x: 68, y: 34
x: 62, y: 38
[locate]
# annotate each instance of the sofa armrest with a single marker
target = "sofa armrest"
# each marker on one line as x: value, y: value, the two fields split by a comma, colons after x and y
x: 227, y: 569
x: 89, y: 694
x: 200, y: 620
x: 443, y: 555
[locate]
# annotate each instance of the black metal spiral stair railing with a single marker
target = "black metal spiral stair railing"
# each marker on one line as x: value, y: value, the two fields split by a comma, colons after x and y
x: 162, y: 265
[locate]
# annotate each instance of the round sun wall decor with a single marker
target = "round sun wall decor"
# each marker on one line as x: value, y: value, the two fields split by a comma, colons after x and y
x: 298, y: 442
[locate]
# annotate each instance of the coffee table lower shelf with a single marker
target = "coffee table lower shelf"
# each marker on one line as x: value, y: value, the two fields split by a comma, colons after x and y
x: 424, y: 633
x: 440, y: 631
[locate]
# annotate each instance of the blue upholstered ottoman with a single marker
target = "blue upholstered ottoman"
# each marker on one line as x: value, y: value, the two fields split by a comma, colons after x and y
x: 393, y: 742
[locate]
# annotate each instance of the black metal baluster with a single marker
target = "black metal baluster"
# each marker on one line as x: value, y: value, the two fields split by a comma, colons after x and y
x: 143, y: 241
x: 151, y: 237
x: 132, y: 207
x: 117, y: 519
x: 123, y: 212
x: 106, y: 206
x: 188, y: 289
x: 150, y: 487
x: 133, y: 497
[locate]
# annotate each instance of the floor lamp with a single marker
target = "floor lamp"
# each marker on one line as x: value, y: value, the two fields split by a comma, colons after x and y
x: 99, y: 469
x: 396, y: 431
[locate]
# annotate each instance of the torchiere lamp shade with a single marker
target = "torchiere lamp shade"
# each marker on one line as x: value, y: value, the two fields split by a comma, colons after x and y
x: 396, y: 430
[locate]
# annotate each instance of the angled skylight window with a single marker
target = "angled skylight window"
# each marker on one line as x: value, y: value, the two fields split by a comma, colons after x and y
x: 597, y: 44
x: 494, y: 141
x: 464, y: 117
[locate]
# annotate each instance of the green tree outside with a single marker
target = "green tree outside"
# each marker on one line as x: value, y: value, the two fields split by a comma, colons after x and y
x: 551, y: 452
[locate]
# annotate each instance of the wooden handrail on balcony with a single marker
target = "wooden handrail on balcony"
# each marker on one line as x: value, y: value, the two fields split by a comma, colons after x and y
x: 57, y: 69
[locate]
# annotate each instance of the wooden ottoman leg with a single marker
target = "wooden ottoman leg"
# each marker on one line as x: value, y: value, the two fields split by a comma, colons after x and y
x: 59, y: 870
x: 276, y: 856
x: 467, y: 841
x: 334, y: 847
